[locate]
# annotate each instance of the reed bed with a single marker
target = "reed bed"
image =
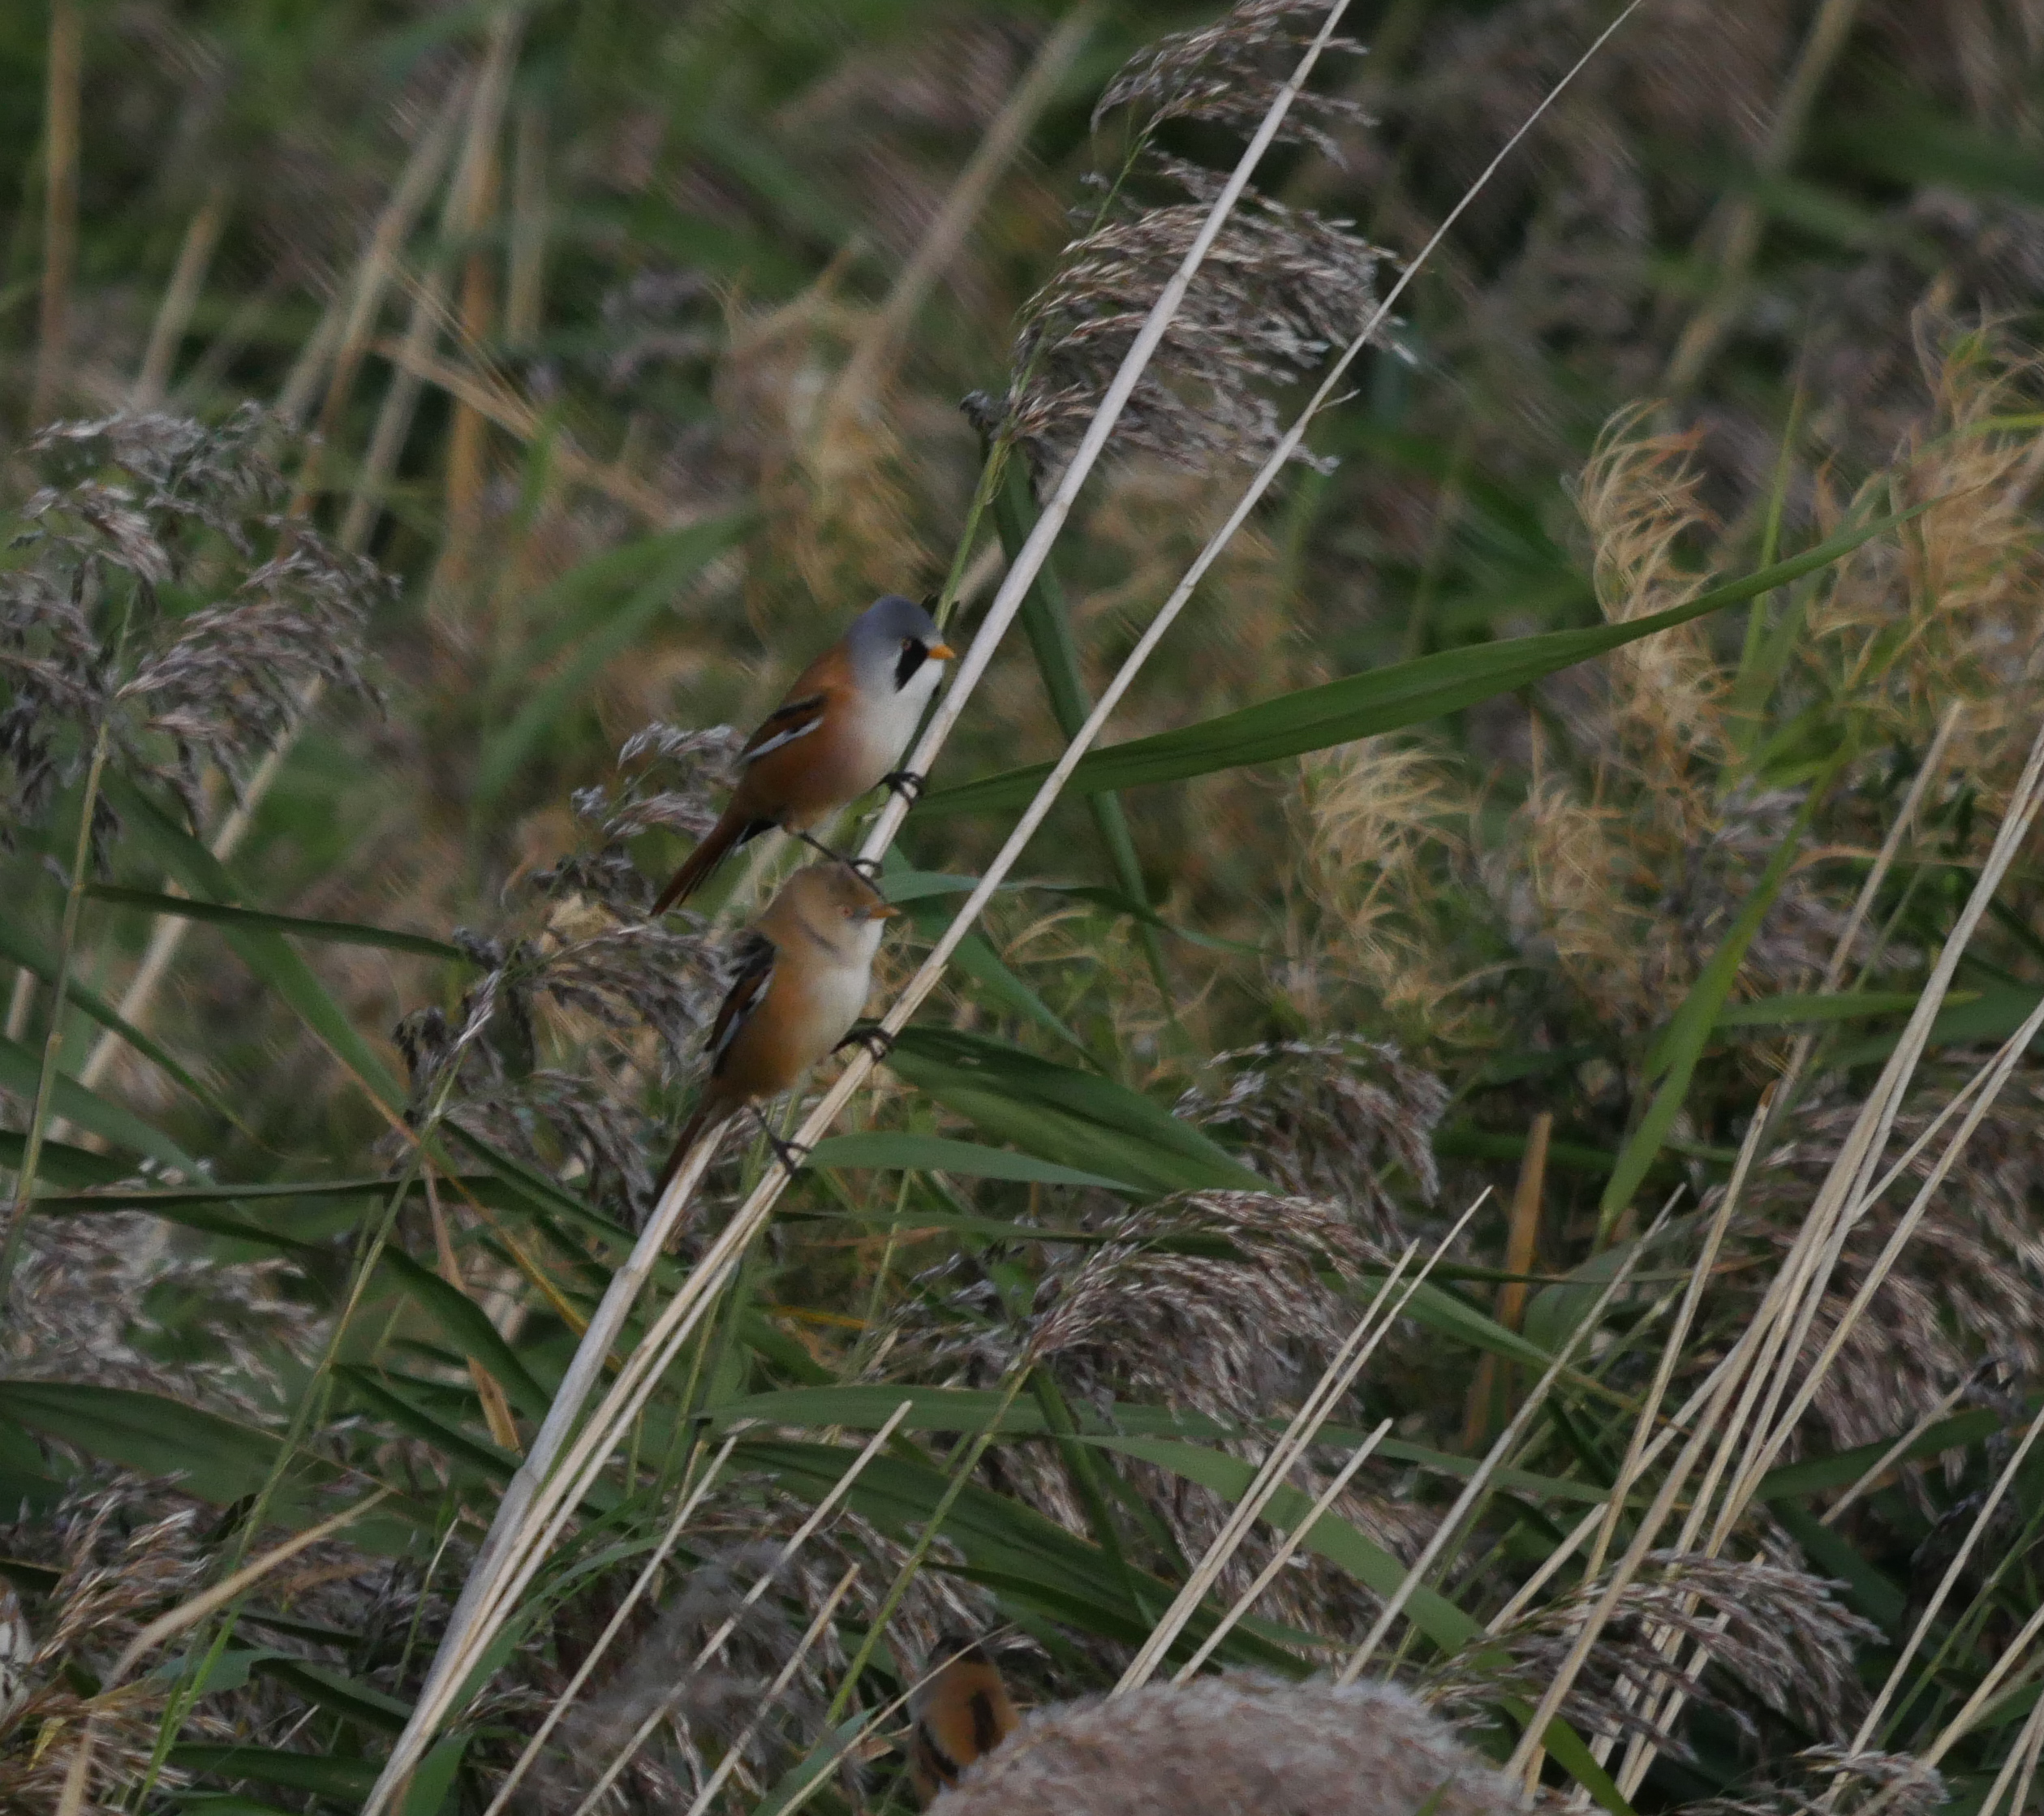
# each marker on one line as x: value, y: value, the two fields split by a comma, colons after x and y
x: 1361, y: 821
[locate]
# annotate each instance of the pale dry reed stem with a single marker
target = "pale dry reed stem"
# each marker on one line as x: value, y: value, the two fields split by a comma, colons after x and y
x: 803, y: 1646
x: 62, y: 107
x: 2022, y: 1760
x: 188, y: 1614
x: 715, y: 1643
x: 1760, y: 1455
x: 2000, y: 1071
x: 1863, y: 904
x: 1293, y: 1540
x: 614, y: 1626
x: 180, y: 297
x: 1449, y: 1530
x: 1347, y: 1363
x: 1991, y: 1680
x: 1887, y: 1458
x: 679, y: 1320
x: 1797, y: 1288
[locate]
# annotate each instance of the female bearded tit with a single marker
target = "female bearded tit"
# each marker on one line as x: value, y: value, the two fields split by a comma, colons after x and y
x: 806, y: 968
x: 839, y: 733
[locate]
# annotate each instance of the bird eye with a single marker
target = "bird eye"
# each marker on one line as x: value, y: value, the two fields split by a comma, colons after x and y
x: 908, y: 644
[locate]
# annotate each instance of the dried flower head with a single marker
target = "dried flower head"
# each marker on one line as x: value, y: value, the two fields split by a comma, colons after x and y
x: 113, y: 1299
x: 1220, y: 1745
x: 126, y: 1551
x: 1228, y: 74
x: 137, y: 600
x: 1965, y: 1287
x: 1225, y: 1305
x: 1775, y: 1637
x: 1279, y: 288
x: 1828, y: 1778
x: 1327, y: 1119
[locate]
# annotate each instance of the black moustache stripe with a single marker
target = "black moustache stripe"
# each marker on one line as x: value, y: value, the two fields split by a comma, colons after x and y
x: 912, y: 659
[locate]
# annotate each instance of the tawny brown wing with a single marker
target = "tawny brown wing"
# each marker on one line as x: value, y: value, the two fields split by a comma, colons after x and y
x: 755, y: 955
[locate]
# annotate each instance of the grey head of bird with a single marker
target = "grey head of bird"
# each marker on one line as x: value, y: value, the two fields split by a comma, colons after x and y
x: 894, y: 644
x: 832, y: 904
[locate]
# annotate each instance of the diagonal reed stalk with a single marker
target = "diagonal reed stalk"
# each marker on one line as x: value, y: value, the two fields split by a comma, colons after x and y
x: 735, y: 1751
x: 540, y: 1498
x: 1283, y: 1555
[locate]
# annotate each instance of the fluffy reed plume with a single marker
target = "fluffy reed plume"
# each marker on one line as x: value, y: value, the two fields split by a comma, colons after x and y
x: 1835, y: 1779
x: 1229, y: 73
x: 1965, y: 1287
x: 123, y: 1559
x: 1222, y: 1304
x: 1638, y: 497
x: 1378, y: 818
x: 1947, y: 611
x: 1280, y: 287
x: 1328, y: 1119
x: 106, y: 1298
x: 1220, y: 1745
x: 138, y: 598
x: 1778, y: 1638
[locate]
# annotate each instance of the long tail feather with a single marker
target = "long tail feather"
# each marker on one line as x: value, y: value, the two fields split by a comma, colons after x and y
x: 733, y: 829
x: 710, y: 1115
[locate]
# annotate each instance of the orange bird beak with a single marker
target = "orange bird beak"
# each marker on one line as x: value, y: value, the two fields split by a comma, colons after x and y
x: 943, y: 652
x: 886, y: 911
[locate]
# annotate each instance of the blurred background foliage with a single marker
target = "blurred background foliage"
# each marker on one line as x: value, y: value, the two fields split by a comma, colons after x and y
x: 629, y: 340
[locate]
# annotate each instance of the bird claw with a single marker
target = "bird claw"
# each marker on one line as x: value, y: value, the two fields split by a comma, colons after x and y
x: 876, y: 1040
x: 868, y: 868
x: 907, y: 783
x: 791, y: 1155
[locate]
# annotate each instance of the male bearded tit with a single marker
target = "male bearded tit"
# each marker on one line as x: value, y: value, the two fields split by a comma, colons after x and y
x: 840, y: 733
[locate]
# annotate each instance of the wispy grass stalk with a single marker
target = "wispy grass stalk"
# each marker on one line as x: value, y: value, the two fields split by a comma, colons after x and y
x: 1340, y: 1375
x: 1284, y: 1555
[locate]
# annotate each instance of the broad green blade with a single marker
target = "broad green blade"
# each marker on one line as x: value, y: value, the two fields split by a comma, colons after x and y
x: 940, y: 1154
x: 346, y: 933
x: 1384, y: 700
x: 1075, y: 1118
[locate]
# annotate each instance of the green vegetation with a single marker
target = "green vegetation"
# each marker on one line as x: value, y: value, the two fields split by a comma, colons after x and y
x: 1521, y: 1029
